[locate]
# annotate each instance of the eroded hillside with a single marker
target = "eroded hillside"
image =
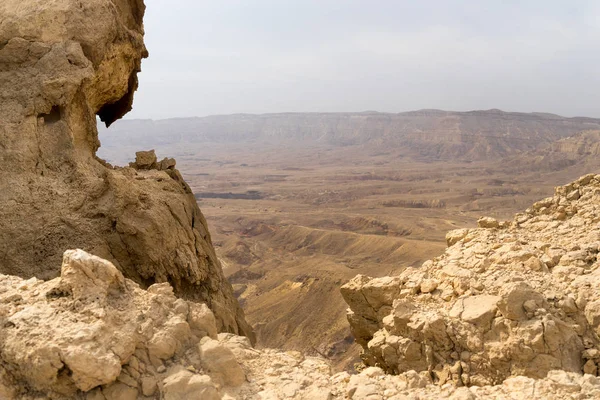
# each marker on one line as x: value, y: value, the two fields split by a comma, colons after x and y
x: 508, y: 298
x: 508, y: 311
x: 292, y: 224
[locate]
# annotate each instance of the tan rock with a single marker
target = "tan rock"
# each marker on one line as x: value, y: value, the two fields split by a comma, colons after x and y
x: 202, y: 320
x: 518, y: 300
x: 488, y: 222
x: 455, y: 236
x: 428, y: 285
x: 514, y: 295
x: 145, y: 159
x: 53, y: 83
x: 97, y: 326
x: 167, y: 163
x: 120, y: 391
x: 184, y: 385
x: 590, y: 367
x: 149, y: 385
x: 479, y: 310
x: 220, y: 362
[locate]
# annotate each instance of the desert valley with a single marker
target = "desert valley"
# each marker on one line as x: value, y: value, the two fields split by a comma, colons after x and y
x: 313, y: 255
x: 298, y: 204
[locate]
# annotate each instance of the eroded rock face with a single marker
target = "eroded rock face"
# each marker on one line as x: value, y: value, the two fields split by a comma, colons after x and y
x: 92, y: 334
x: 62, y: 63
x: 505, y: 299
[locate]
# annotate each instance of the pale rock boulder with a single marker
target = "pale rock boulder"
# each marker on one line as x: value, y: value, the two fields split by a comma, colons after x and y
x: 89, y: 277
x: 105, y: 337
x: 202, y: 320
x: 478, y: 310
x: 184, y: 385
x: 145, y: 160
x: 518, y: 299
x: 488, y: 222
x: 456, y: 235
x: 220, y: 360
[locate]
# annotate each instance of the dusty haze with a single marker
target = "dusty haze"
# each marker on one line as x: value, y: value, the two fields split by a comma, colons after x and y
x: 391, y: 56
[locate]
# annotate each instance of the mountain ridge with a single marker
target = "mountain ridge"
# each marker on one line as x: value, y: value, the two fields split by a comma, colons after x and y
x: 428, y: 134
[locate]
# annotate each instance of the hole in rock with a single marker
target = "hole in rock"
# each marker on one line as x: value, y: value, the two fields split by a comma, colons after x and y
x: 147, y: 282
x: 109, y: 113
x: 53, y: 116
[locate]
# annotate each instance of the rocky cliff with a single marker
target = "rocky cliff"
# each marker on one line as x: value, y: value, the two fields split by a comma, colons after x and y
x: 62, y: 63
x: 506, y: 299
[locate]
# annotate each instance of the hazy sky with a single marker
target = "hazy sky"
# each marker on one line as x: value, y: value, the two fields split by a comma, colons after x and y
x: 258, y: 56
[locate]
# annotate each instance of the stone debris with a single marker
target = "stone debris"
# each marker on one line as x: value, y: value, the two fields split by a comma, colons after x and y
x: 145, y: 160
x: 506, y: 299
x: 94, y: 335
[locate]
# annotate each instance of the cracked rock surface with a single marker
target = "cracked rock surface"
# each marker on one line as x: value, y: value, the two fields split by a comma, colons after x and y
x: 506, y: 299
x: 62, y: 63
x: 93, y: 334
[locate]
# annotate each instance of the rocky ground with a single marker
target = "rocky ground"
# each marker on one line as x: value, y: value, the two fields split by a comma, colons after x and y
x: 93, y: 334
x: 505, y: 299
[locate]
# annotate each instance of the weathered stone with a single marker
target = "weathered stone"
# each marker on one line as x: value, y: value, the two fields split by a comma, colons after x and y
x: 120, y: 391
x: 167, y: 163
x: 62, y: 63
x: 428, y: 285
x: 479, y: 310
x: 122, y: 321
x: 219, y: 360
x: 514, y: 295
x: 145, y: 160
x: 488, y: 222
x: 149, y: 385
x: 184, y: 385
x: 519, y: 300
x: 456, y: 235
x: 590, y: 367
x: 202, y: 320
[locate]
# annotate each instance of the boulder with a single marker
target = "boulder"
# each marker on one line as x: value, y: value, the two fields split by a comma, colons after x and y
x: 145, y: 160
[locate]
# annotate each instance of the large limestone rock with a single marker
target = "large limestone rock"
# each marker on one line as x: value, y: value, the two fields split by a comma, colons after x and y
x: 506, y: 299
x: 62, y: 63
x: 93, y: 334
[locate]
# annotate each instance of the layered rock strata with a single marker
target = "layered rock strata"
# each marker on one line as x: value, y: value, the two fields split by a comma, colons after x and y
x: 506, y: 299
x: 94, y: 335
x: 62, y: 63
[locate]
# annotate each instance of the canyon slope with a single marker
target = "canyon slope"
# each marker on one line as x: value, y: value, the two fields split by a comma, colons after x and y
x: 294, y: 218
x: 111, y: 286
x: 63, y: 63
x: 509, y: 311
